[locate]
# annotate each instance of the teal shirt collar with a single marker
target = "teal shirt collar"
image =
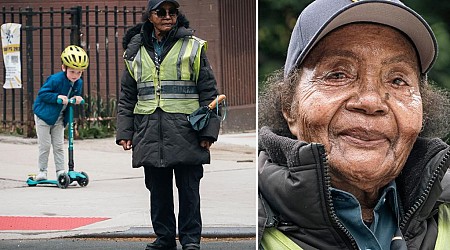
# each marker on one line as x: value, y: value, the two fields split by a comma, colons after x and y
x: 385, y: 222
x: 158, y: 46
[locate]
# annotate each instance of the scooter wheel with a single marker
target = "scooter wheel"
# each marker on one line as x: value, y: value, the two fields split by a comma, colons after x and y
x: 63, y: 181
x: 83, y: 182
x: 30, y: 182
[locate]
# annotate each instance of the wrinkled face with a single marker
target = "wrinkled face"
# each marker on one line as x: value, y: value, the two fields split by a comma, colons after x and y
x: 72, y: 74
x: 164, y: 23
x: 359, y: 96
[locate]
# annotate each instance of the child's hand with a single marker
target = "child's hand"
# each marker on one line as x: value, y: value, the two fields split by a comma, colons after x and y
x: 78, y: 99
x: 64, y: 99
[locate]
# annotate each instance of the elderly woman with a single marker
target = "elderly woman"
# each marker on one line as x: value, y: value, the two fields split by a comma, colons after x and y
x: 168, y: 77
x: 345, y: 162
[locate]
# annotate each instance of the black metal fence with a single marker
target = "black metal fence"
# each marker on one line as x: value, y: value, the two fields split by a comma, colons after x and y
x: 44, y: 34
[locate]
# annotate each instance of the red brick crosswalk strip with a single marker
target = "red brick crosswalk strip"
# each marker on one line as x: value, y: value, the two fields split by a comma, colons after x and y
x: 45, y: 223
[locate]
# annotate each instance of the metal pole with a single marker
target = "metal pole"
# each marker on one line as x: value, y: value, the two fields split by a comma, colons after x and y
x: 107, y: 61
x: 70, y: 150
x: 97, y: 57
x: 75, y: 37
x: 87, y: 75
x: 75, y: 29
x: 30, y: 77
x: 4, y: 121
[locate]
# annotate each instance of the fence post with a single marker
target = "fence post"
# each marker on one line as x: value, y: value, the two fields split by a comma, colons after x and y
x: 75, y: 38
x: 75, y: 30
x: 30, y: 88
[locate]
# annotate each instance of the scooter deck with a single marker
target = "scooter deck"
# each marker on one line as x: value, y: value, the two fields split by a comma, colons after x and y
x: 32, y: 182
x: 63, y: 181
x: 74, y: 175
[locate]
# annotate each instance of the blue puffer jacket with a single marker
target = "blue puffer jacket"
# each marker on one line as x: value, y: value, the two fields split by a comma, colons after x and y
x: 46, y: 106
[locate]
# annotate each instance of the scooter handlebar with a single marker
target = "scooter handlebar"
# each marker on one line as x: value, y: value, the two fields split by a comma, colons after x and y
x: 71, y: 101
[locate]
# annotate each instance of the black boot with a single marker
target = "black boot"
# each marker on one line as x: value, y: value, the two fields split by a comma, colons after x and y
x: 157, y: 246
x: 191, y: 246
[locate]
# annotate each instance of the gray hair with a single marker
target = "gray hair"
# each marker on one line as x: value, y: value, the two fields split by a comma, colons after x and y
x: 279, y: 92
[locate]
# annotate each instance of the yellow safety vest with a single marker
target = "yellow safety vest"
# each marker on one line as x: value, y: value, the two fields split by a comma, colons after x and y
x: 171, y: 86
x: 273, y: 239
x: 443, y: 239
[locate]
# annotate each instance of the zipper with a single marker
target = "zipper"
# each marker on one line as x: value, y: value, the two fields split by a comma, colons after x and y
x: 158, y: 98
x: 158, y: 86
x: 160, y: 144
x: 424, y: 194
x: 329, y: 199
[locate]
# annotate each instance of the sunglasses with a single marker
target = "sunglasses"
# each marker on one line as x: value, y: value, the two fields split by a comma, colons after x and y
x: 161, y: 13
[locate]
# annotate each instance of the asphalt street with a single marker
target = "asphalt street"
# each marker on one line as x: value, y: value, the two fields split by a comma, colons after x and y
x: 116, y: 244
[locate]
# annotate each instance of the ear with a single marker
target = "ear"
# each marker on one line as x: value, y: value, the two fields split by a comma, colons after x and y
x: 292, y: 122
x: 63, y: 68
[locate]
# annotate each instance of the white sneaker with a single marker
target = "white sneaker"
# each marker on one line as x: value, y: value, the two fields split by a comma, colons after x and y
x: 41, y: 176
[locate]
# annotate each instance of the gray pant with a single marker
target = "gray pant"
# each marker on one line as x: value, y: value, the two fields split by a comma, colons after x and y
x: 50, y: 135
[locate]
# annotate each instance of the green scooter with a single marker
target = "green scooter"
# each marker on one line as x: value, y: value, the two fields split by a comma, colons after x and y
x: 65, y: 179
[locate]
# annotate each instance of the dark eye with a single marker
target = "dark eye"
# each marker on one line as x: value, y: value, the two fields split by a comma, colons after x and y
x: 399, y: 82
x: 336, y: 76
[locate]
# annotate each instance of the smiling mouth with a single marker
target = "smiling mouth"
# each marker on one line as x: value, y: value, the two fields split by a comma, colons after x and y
x: 364, y: 138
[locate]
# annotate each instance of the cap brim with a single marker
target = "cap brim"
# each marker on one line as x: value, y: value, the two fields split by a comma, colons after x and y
x: 387, y: 13
x: 177, y: 5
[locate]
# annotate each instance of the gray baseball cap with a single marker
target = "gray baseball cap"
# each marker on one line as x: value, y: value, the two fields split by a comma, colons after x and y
x: 154, y: 4
x: 323, y: 16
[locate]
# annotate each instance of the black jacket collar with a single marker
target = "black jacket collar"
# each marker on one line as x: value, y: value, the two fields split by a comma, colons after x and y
x: 292, y: 178
x: 146, y: 28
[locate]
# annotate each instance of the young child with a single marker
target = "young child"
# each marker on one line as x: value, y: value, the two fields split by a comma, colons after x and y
x: 49, y: 116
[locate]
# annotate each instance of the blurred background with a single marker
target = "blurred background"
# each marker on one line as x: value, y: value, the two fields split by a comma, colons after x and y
x: 276, y: 19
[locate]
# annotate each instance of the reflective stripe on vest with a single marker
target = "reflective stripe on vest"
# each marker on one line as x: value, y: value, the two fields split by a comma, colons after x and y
x: 443, y: 238
x: 274, y: 239
x: 171, y: 85
x: 170, y: 90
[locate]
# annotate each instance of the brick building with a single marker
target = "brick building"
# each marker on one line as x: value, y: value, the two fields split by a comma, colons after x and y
x: 229, y: 26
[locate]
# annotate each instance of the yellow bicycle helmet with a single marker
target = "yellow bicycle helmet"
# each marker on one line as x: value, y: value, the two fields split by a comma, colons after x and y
x: 75, y: 57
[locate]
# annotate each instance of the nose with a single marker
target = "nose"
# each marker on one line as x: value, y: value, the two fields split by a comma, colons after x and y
x: 370, y: 98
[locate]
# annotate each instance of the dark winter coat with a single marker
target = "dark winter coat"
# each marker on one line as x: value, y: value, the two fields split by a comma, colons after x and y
x: 45, y: 106
x: 294, y: 186
x: 164, y: 139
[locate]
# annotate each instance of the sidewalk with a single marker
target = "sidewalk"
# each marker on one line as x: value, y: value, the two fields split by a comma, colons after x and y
x: 115, y: 203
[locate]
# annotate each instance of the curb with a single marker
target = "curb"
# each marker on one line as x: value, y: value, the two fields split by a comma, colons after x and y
x: 145, y: 232
x: 17, y: 140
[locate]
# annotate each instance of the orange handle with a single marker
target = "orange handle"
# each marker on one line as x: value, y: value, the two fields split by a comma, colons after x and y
x: 216, y: 101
